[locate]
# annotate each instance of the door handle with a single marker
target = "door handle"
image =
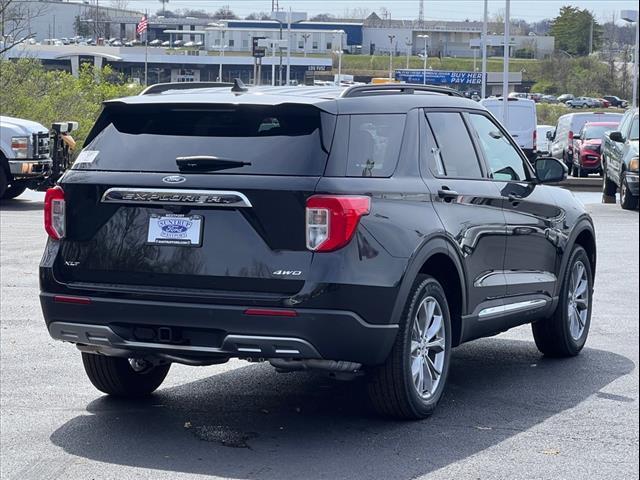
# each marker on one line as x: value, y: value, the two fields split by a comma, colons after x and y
x: 446, y: 192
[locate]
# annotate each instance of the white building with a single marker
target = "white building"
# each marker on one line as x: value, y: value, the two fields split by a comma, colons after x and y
x: 46, y: 19
x: 446, y: 39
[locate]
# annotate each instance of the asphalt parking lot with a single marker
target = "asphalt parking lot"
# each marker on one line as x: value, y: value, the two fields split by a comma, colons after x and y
x: 508, y: 413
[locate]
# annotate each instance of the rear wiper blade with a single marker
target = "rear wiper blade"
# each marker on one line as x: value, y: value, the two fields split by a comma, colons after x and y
x: 203, y: 163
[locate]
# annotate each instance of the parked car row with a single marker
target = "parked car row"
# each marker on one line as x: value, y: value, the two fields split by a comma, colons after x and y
x: 599, y: 142
x: 572, y: 101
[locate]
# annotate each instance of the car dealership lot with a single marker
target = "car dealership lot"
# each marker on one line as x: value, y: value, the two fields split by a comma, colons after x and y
x: 507, y: 412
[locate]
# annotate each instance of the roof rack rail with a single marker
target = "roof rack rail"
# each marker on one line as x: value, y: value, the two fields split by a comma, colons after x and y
x: 164, y: 87
x: 400, y: 88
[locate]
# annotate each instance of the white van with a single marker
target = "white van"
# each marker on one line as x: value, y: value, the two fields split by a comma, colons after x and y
x: 522, y: 121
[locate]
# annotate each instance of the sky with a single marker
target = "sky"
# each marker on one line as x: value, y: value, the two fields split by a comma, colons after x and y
x: 529, y: 10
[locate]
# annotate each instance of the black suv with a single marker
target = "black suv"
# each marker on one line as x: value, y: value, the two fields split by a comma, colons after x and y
x: 366, y: 230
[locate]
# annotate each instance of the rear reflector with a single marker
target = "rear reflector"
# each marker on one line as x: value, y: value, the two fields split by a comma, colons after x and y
x: 332, y: 220
x: 54, y: 213
x: 265, y: 312
x: 69, y: 299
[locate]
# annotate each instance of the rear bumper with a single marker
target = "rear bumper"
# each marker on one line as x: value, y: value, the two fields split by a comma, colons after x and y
x: 119, y: 327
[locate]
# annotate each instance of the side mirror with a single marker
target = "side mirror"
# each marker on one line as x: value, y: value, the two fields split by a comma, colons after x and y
x: 616, y: 137
x: 577, y: 137
x: 551, y: 135
x: 550, y: 170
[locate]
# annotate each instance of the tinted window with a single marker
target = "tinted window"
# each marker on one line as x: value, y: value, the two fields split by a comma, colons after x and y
x: 504, y: 160
x: 275, y: 140
x: 374, y: 144
x: 455, y: 155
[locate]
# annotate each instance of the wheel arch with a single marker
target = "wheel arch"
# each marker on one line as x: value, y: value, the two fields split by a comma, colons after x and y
x: 583, y: 235
x: 435, y: 258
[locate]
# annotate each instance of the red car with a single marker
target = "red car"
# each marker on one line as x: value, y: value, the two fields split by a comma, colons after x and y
x: 587, y: 146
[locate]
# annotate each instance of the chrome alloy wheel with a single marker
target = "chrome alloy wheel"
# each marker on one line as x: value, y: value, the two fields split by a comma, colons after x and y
x: 427, y: 347
x: 578, y: 302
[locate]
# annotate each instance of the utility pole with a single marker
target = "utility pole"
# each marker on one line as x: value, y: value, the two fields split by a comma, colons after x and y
x: 409, y: 45
x: 421, y: 16
x: 505, y: 71
x: 391, y: 38
x: 484, y: 48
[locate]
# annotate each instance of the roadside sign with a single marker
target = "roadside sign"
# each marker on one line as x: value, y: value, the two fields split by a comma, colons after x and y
x: 257, y: 50
x: 439, y: 77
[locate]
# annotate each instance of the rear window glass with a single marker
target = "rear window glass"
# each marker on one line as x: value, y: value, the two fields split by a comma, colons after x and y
x: 374, y: 144
x: 270, y: 140
x: 580, y: 119
x: 597, y: 131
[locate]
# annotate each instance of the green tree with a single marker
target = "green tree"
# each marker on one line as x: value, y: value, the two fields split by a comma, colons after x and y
x: 576, y: 31
x: 29, y: 91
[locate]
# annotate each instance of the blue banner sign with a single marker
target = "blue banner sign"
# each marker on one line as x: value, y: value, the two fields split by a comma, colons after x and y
x: 439, y: 77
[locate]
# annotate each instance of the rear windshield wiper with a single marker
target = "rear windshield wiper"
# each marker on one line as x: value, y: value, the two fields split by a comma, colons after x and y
x: 204, y: 163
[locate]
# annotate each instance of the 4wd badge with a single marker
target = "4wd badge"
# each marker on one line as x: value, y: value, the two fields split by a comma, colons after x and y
x: 287, y: 273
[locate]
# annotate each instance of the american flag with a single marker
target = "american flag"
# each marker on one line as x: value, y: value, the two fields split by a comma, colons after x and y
x: 142, y: 26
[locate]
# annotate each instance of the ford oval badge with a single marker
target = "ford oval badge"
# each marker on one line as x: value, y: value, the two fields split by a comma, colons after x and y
x: 174, y: 179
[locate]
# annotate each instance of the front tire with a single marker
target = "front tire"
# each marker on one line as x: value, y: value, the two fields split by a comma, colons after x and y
x: 627, y: 200
x: 4, y: 182
x: 565, y: 332
x: 117, y: 376
x: 410, y: 383
x: 14, y: 191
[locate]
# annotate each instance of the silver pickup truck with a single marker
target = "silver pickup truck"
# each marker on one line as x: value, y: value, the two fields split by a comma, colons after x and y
x: 620, y: 161
x: 32, y: 156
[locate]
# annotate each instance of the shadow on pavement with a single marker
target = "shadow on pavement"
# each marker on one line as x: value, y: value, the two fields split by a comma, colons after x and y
x: 305, y: 426
x: 20, y: 205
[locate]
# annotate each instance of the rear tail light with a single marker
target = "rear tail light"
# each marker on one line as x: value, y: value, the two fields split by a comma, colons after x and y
x: 332, y: 220
x: 73, y: 300
x: 535, y: 140
x: 54, y: 213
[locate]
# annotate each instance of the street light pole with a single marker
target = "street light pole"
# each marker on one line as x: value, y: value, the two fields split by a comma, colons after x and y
x: 633, y: 16
x: 340, y: 33
x: 222, y: 45
x: 635, y: 65
x: 409, y: 45
x: 424, y: 70
x: 484, y: 48
x: 391, y: 39
x: 306, y: 37
x: 505, y: 70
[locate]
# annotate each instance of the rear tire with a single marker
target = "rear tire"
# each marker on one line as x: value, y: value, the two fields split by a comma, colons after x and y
x: 116, y: 376
x: 418, y: 355
x: 609, y: 188
x: 575, y: 171
x: 565, y: 332
x: 627, y: 201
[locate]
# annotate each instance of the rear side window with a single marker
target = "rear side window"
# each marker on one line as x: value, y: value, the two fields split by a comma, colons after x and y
x: 374, y: 144
x: 455, y: 155
x: 266, y: 139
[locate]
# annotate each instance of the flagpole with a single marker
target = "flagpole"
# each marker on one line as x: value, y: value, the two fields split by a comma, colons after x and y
x: 146, y: 52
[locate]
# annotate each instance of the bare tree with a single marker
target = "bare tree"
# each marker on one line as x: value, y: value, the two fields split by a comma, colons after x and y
x: 15, y: 22
x: 120, y: 4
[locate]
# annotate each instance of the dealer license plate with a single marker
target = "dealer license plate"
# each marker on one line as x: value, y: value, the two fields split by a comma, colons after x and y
x: 173, y: 229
